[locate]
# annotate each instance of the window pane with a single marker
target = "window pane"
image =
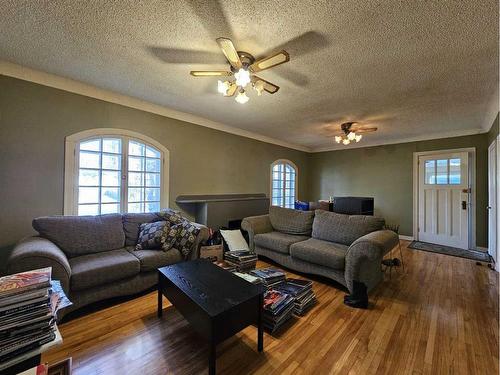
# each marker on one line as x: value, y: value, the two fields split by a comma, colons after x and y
x: 430, y: 172
x: 152, y: 207
x: 109, y: 195
x: 153, y: 165
x: 442, y: 171
x: 135, y: 179
x: 88, y: 209
x: 152, y: 152
x: 153, y: 179
x: 135, y: 194
x: 88, y: 177
x: 88, y: 195
x: 92, y: 145
x: 276, y: 176
x: 112, y: 145
x: 135, y: 164
x: 455, y: 175
x: 90, y: 160
x: 135, y: 148
x: 110, y: 178
x: 110, y: 208
x: 135, y: 207
x: 152, y: 194
x: 111, y: 161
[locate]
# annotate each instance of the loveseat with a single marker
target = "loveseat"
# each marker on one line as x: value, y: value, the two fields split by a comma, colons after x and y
x: 340, y: 247
x: 94, y: 257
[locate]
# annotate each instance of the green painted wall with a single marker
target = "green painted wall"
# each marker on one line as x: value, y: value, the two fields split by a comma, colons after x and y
x: 386, y: 173
x: 493, y: 133
x: 35, y: 119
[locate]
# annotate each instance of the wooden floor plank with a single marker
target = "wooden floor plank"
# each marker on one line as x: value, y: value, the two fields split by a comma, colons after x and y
x: 440, y: 316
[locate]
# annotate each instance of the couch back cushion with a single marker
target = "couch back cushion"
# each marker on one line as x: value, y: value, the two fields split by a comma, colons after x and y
x: 343, y: 229
x: 290, y: 221
x: 80, y: 235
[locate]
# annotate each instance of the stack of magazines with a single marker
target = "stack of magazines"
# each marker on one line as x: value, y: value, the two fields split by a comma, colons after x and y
x: 29, y: 302
x: 302, y: 291
x: 270, y: 276
x: 243, y: 260
x: 250, y: 278
x: 225, y: 265
x: 278, y: 309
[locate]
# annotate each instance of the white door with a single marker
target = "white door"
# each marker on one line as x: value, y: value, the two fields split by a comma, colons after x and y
x: 443, y: 199
x: 492, y: 203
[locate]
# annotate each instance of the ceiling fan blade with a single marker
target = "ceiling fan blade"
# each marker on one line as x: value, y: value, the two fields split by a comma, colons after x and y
x: 231, y: 90
x: 271, y: 88
x: 210, y: 73
x: 364, y: 130
x: 278, y: 58
x: 227, y: 47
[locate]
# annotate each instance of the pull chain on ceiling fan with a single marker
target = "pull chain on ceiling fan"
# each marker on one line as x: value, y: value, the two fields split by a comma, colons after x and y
x: 243, y: 69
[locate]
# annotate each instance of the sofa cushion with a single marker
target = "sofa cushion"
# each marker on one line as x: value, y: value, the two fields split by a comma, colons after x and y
x: 344, y: 229
x: 98, y: 269
x: 152, y: 259
x: 291, y: 221
x: 277, y: 241
x: 320, y: 252
x: 150, y: 235
x: 80, y: 235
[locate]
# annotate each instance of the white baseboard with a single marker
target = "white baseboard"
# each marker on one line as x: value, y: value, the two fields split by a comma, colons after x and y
x: 406, y: 238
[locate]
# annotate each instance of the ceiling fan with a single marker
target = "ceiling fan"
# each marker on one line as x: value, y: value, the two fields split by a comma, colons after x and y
x: 243, y: 67
x: 352, y: 133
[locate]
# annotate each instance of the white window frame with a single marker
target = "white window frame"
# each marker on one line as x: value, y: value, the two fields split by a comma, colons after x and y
x: 296, y: 169
x: 71, y: 167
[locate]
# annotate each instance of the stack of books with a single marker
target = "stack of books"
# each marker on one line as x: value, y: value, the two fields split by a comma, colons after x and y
x: 243, y: 260
x: 28, y: 305
x: 278, y: 309
x: 250, y: 278
x: 302, y: 291
x: 225, y: 265
x: 270, y: 276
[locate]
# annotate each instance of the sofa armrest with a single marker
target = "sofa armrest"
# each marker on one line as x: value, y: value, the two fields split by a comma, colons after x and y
x: 364, y: 256
x: 37, y: 252
x: 200, y: 240
x: 256, y: 225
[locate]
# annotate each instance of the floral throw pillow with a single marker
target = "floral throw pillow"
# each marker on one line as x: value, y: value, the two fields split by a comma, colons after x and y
x: 150, y: 235
x: 172, y: 217
x: 181, y: 236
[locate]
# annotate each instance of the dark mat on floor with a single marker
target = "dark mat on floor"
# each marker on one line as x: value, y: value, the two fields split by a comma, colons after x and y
x: 453, y: 251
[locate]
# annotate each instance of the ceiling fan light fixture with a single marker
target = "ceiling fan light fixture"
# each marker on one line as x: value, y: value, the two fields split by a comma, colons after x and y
x: 242, y: 77
x: 242, y: 97
x: 259, y: 87
x: 346, y: 141
x: 223, y: 87
x: 351, y: 136
x: 338, y: 138
x: 358, y: 137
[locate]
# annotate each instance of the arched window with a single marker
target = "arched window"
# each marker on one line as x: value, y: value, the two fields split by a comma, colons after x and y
x: 114, y: 171
x: 283, y: 183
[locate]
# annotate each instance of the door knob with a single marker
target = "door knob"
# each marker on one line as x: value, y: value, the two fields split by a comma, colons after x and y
x: 488, y: 207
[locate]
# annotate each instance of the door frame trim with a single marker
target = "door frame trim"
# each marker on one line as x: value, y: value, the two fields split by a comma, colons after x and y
x: 471, y: 151
x: 496, y: 194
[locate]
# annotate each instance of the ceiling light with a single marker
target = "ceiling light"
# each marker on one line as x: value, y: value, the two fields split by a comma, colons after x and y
x: 242, y: 98
x: 338, y: 138
x: 259, y: 87
x: 358, y: 137
x: 351, y: 136
x: 242, y: 77
x: 346, y: 141
x: 222, y: 87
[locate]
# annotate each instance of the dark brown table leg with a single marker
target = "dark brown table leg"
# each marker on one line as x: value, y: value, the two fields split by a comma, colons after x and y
x: 260, y: 327
x: 212, y: 358
x: 160, y: 298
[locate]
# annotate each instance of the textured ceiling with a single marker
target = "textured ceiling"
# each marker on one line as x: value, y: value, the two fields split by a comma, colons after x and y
x: 412, y: 68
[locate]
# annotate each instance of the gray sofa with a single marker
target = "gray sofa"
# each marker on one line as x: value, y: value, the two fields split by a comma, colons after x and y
x: 94, y: 257
x: 341, y: 247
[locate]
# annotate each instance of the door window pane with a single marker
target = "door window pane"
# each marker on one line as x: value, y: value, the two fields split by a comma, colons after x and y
x: 455, y: 175
x: 442, y: 171
x: 430, y: 172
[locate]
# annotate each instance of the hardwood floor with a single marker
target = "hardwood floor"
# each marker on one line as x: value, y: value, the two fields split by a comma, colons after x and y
x: 439, y: 317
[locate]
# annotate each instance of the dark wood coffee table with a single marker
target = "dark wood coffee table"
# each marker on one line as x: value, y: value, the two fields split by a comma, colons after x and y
x: 215, y: 302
